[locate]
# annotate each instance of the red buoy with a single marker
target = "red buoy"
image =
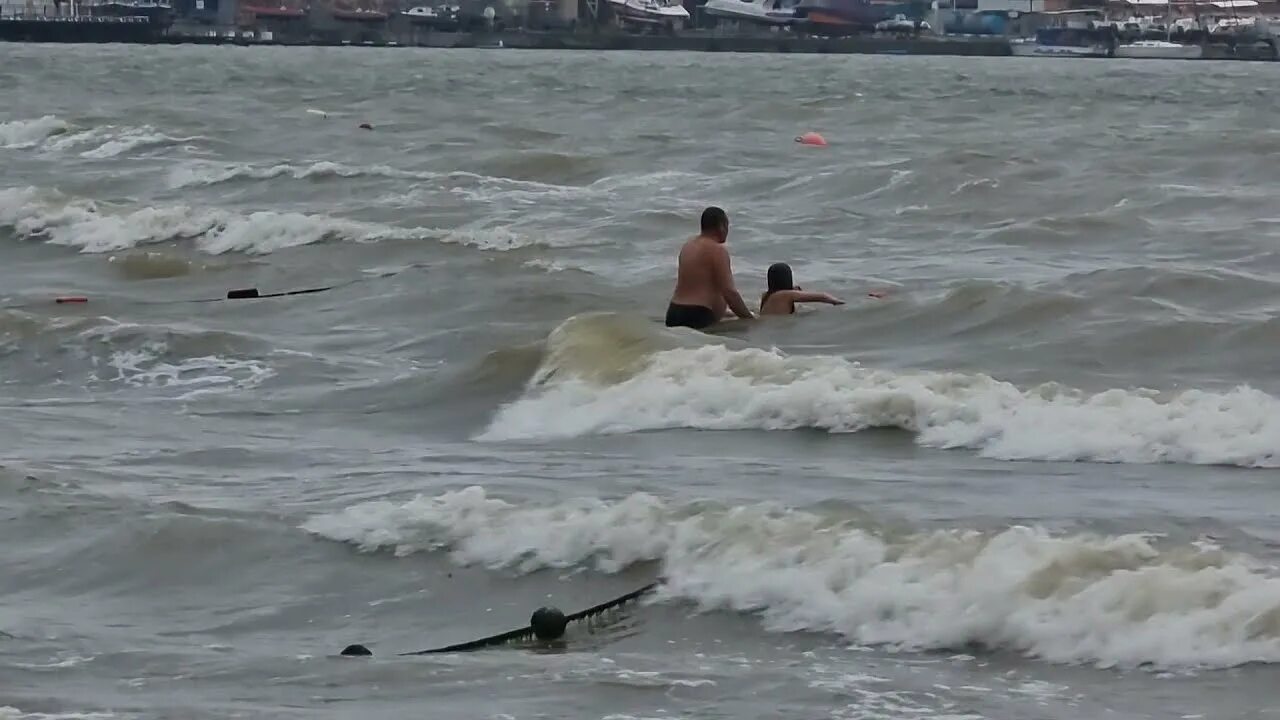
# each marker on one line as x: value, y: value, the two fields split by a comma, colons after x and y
x: 71, y: 299
x: 812, y: 138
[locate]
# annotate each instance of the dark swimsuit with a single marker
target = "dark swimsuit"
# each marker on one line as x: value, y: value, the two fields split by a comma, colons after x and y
x: 692, y: 316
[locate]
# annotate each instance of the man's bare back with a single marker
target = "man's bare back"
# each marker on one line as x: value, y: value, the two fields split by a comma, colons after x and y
x: 697, y: 281
x: 704, y: 278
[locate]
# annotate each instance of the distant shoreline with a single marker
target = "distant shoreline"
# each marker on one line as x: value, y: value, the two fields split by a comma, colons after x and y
x: 60, y: 31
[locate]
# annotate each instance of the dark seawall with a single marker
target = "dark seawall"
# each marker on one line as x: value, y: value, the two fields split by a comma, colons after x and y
x: 79, y: 30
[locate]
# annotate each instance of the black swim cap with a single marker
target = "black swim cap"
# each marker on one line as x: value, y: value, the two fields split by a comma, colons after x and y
x: 780, y: 277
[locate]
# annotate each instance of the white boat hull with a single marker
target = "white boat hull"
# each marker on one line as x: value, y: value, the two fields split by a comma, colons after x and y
x: 750, y: 11
x: 1034, y: 49
x: 1159, y: 50
x: 649, y: 12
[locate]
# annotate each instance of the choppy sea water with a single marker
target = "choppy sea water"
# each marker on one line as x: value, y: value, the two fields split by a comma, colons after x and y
x: 1036, y: 480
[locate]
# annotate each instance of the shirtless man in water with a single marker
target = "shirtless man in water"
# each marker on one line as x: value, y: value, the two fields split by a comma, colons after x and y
x: 704, y: 280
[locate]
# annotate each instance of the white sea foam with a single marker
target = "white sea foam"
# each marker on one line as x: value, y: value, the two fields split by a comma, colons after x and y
x: 202, y: 174
x: 17, y: 134
x: 717, y: 388
x: 504, y: 239
x: 512, y: 192
x: 120, y: 359
x: 195, y: 376
x: 72, y: 139
x: 52, y: 134
x: 8, y: 712
x: 34, y: 213
x: 119, y: 141
x: 481, y: 188
x: 67, y: 662
x: 1108, y: 601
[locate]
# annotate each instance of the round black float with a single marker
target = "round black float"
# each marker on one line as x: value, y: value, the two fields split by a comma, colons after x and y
x: 548, y: 623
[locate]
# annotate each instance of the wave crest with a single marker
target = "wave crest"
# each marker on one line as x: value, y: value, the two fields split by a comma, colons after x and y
x: 18, y: 134
x: 212, y: 174
x: 713, y: 387
x: 95, y: 228
x: 52, y: 134
x: 1107, y: 601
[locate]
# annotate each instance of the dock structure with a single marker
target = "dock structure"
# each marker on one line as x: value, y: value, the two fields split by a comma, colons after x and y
x: 82, y: 22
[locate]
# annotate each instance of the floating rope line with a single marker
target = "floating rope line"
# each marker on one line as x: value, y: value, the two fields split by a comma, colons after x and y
x: 239, y: 294
x: 547, y: 623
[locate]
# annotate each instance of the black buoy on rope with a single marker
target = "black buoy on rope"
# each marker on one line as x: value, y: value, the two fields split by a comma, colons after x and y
x: 546, y: 624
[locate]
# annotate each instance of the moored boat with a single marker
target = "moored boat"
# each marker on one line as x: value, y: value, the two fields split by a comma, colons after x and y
x: 1074, y: 34
x: 1152, y: 36
x: 1159, y: 49
x: 842, y: 17
x: 441, y: 17
x: 650, y: 12
x: 761, y: 12
x: 361, y: 11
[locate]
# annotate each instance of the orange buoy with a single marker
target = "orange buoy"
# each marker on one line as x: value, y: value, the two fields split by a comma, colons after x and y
x: 812, y: 138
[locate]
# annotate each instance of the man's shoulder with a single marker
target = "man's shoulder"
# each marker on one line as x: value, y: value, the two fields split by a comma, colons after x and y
x: 701, y: 244
x: 710, y: 246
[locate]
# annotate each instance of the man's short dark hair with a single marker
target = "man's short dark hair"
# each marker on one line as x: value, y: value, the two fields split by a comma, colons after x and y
x: 714, y: 220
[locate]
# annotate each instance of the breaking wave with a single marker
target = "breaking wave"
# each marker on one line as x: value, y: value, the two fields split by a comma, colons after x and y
x: 94, y: 228
x: 8, y: 712
x: 17, y: 134
x: 640, y: 384
x: 53, y: 134
x: 1111, y: 601
x: 213, y: 174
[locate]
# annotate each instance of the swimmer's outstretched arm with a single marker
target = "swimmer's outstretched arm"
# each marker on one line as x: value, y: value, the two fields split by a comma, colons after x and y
x: 816, y: 297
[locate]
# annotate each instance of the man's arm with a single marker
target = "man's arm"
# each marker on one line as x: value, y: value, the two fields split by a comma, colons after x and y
x: 724, y: 278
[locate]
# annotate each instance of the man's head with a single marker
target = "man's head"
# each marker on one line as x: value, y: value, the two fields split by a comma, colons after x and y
x: 715, y: 224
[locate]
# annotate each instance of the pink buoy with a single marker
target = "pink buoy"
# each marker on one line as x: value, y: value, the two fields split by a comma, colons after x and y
x: 812, y: 138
